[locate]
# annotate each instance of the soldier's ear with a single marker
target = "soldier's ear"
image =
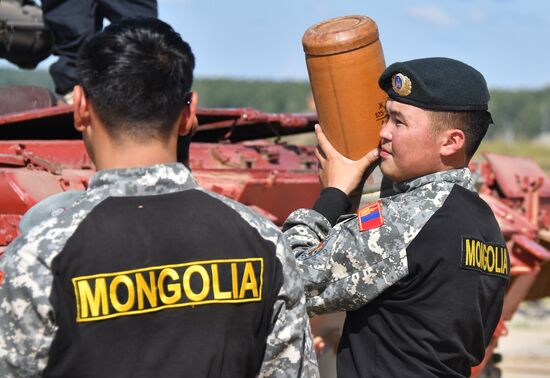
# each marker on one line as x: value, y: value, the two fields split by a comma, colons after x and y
x: 81, y: 109
x: 453, y: 142
x: 189, y: 119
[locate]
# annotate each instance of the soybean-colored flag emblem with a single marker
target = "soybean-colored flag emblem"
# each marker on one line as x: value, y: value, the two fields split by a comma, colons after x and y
x: 370, y: 216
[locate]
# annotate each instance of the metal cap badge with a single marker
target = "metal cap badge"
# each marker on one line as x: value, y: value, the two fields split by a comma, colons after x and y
x: 401, y: 84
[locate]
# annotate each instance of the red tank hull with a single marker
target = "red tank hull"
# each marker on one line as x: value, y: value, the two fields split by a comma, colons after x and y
x: 41, y: 154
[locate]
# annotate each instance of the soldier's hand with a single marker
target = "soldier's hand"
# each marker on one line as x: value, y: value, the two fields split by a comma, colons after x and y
x: 336, y: 170
x: 319, y: 345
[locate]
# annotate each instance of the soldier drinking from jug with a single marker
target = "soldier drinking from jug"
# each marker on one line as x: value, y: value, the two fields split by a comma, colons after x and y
x: 421, y: 273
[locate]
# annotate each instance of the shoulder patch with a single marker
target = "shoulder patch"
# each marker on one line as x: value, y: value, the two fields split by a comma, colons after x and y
x: 370, y: 216
x: 485, y: 257
x: 156, y: 288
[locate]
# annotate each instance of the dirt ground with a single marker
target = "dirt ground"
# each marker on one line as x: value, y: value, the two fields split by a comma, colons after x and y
x: 526, y: 349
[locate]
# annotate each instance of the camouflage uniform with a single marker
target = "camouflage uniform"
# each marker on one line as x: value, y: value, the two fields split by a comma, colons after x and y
x: 28, y: 318
x: 340, y: 275
x: 48, y: 207
x: 388, y: 276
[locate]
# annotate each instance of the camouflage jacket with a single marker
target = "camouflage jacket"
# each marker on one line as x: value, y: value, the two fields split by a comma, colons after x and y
x: 28, y: 318
x: 344, y: 268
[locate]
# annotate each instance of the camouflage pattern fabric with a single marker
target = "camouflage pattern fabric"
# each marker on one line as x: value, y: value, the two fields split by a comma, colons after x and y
x: 27, y: 318
x: 344, y: 268
x: 289, y: 351
x: 48, y: 207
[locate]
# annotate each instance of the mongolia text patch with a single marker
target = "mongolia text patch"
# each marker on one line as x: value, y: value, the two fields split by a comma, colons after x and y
x: 485, y: 257
x: 132, y: 292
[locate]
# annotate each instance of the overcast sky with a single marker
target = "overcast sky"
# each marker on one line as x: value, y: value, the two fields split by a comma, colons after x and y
x: 507, y: 40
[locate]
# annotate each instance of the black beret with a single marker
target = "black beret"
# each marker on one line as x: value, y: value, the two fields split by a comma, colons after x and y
x: 436, y: 84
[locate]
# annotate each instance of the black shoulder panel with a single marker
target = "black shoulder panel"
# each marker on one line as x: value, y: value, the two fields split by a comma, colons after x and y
x: 181, y: 273
x: 439, y: 319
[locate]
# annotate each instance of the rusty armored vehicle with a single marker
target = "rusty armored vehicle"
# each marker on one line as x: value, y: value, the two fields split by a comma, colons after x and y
x: 238, y: 153
x: 241, y: 153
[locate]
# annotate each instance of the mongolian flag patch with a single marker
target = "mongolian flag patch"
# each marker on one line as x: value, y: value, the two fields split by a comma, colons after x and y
x: 370, y: 216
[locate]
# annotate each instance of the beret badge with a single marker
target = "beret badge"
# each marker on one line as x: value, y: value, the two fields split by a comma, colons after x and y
x: 401, y: 84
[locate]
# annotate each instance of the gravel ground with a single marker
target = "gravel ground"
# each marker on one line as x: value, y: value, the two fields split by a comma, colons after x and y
x: 526, y: 349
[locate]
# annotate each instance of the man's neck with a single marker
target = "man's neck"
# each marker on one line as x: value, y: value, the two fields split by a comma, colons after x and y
x: 134, y: 155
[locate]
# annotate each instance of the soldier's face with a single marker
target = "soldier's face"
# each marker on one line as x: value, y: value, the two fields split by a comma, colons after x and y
x: 408, y: 147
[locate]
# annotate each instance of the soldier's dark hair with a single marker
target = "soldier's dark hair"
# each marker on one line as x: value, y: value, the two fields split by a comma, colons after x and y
x: 137, y: 72
x: 474, y: 124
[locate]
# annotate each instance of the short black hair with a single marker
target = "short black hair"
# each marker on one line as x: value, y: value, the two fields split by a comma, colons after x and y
x: 474, y: 125
x: 137, y: 73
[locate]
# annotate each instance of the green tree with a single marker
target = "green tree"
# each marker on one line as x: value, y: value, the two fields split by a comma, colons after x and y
x: 10, y: 76
x: 522, y: 113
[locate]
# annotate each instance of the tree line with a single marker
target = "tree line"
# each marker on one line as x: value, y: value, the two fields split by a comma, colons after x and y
x: 517, y: 113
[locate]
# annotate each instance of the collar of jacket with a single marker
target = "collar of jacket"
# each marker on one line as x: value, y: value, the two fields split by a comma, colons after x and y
x: 151, y: 180
x: 462, y: 177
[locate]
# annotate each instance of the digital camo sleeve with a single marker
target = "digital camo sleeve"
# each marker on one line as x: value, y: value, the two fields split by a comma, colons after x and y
x: 342, y: 267
x: 289, y: 351
x: 26, y: 314
x: 289, y: 347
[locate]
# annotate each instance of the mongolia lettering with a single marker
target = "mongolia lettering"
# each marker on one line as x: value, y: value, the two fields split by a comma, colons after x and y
x: 485, y: 257
x: 104, y: 296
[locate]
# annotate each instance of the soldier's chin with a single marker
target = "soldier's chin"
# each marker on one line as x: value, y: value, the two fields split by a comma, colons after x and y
x: 388, y: 171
